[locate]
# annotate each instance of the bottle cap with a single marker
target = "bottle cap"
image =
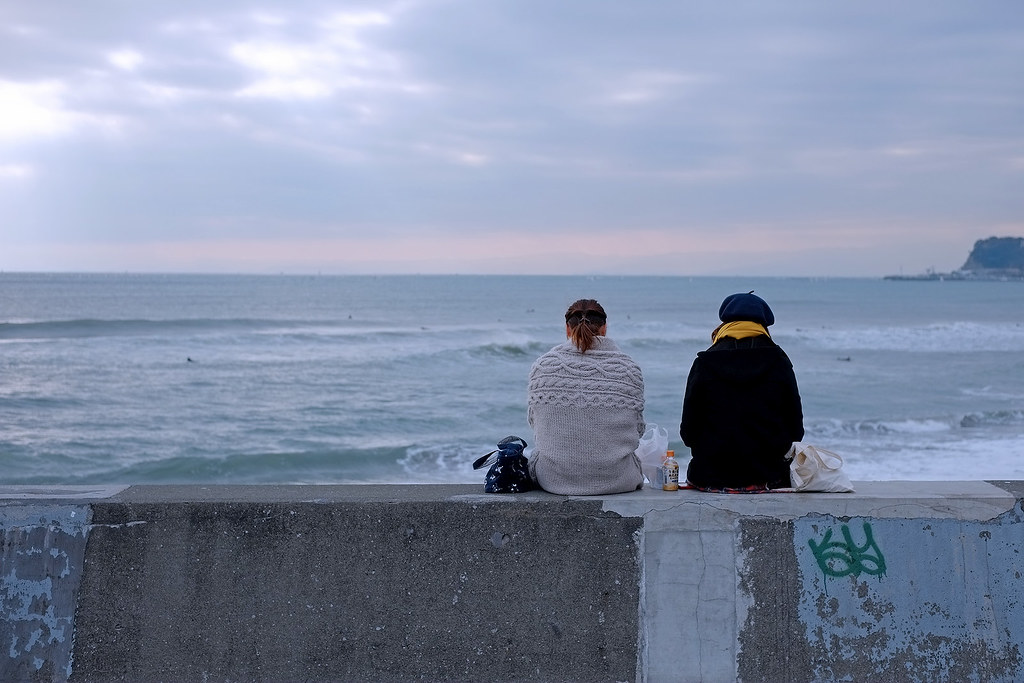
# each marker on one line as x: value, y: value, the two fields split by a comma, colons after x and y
x: 670, y: 454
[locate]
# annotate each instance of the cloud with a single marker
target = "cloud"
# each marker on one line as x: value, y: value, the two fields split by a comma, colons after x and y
x: 33, y: 110
x: 516, y: 127
x: 16, y: 171
x: 645, y: 87
x: 126, y: 59
x: 331, y: 56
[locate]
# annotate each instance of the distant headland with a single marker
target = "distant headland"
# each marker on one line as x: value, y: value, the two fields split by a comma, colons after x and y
x: 993, y: 258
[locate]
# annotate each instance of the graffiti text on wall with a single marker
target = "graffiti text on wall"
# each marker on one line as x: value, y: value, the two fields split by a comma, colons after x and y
x: 846, y: 557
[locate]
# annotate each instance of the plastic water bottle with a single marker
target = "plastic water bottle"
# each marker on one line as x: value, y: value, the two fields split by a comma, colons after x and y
x: 671, y: 472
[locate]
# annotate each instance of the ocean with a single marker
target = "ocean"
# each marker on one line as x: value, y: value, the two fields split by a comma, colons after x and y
x: 229, y: 379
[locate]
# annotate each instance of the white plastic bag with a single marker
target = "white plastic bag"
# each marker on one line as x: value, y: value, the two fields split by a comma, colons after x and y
x: 815, y: 469
x: 651, y: 450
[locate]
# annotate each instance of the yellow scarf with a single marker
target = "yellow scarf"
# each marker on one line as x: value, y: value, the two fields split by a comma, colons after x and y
x: 738, y: 329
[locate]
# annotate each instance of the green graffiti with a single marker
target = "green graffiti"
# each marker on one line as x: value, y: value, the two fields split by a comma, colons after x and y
x: 846, y: 558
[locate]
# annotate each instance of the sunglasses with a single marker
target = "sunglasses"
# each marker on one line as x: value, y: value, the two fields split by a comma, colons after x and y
x: 593, y: 317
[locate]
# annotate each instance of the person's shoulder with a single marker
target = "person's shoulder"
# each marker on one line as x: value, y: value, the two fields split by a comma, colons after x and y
x: 760, y: 354
x: 555, y: 354
x: 561, y: 349
x: 606, y: 345
x: 610, y: 354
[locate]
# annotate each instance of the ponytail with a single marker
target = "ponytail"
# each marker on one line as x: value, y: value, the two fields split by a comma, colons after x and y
x: 583, y: 335
x: 584, y: 319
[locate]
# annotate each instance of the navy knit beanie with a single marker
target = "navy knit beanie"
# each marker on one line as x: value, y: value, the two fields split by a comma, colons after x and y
x: 746, y: 307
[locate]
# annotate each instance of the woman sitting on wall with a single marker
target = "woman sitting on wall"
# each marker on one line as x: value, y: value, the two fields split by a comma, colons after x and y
x: 586, y: 406
x: 741, y: 410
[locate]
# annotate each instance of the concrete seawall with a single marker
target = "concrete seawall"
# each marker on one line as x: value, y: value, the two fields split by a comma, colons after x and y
x: 916, y: 581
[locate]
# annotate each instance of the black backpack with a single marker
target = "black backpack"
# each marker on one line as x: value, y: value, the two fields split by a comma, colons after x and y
x: 510, y: 471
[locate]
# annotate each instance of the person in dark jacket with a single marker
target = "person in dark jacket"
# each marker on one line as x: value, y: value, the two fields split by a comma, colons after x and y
x: 741, y: 409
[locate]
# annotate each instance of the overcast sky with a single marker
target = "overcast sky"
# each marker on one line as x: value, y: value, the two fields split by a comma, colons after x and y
x: 511, y: 136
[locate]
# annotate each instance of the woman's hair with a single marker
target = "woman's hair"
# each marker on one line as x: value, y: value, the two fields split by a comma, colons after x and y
x: 584, y: 318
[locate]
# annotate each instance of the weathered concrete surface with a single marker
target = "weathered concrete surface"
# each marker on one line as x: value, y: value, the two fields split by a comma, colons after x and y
x: 733, y: 589
x: 913, y: 598
x: 916, y: 581
x: 456, y: 588
x: 40, y: 569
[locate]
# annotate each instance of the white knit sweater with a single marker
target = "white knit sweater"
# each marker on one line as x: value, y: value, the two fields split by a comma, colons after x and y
x: 587, y: 414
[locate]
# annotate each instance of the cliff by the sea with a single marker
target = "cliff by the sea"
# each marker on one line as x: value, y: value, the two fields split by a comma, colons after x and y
x: 993, y: 258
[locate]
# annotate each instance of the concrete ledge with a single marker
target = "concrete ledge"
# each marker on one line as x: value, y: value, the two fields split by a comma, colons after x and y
x: 899, y: 581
